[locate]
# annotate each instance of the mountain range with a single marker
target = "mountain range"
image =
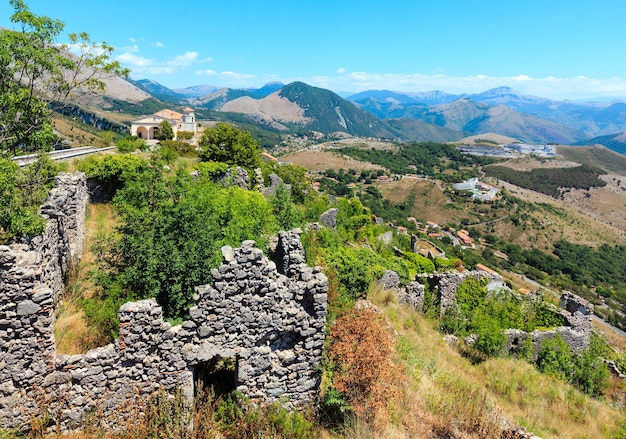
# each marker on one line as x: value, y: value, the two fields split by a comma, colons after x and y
x: 406, y: 116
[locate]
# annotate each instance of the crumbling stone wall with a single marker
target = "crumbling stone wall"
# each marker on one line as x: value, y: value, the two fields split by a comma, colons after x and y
x: 444, y: 285
x: 576, y: 332
x: 31, y: 281
x: 576, y: 311
x: 269, y: 318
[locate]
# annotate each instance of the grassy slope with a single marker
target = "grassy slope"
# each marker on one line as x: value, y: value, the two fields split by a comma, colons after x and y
x: 71, y: 333
x: 445, y: 389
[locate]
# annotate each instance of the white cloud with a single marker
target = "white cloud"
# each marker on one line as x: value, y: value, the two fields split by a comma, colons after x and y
x: 159, y: 44
x: 128, y: 49
x: 184, y: 60
x: 341, y: 70
x: 207, y: 72
x: 230, y: 79
x: 140, y: 65
x: 133, y: 60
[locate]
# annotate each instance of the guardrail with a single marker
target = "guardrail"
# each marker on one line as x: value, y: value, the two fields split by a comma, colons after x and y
x: 62, y: 154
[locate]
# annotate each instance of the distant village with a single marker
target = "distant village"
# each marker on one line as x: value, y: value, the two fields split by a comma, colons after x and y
x: 510, y: 150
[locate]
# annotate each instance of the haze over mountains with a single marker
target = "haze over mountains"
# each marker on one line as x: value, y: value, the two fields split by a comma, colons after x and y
x: 433, y: 115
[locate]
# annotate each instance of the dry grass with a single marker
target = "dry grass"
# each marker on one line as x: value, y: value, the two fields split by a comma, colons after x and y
x: 446, y: 394
x: 71, y: 332
x: 429, y: 199
x: 319, y: 160
x: 73, y: 133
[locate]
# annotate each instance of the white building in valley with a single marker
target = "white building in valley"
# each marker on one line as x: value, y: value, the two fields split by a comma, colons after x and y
x: 147, y: 127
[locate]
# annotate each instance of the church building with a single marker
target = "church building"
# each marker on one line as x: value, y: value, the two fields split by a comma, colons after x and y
x: 147, y: 127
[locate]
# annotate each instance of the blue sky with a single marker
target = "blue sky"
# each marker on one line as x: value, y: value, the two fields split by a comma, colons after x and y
x: 560, y: 49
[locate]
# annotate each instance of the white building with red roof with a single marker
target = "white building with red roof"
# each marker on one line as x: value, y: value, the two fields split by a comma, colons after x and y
x: 147, y: 127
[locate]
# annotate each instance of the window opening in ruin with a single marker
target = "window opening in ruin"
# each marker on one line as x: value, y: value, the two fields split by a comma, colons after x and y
x: 218, y: 375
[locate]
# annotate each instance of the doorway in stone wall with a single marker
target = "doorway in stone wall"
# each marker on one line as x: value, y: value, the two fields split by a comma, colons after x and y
x: 218, y: 375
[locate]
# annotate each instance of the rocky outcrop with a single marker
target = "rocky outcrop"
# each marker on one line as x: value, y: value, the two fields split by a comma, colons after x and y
x: 390, y: 280
x: 265, y: 318
x: 329, y: 218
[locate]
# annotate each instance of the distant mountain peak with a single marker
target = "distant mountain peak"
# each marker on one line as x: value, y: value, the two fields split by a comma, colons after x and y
x: 498, y: 91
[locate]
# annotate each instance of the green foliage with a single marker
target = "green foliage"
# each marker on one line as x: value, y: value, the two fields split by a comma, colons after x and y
x: 488, y: 328
x: 172, y: 229
x: 586, y: 370
x: 550, y: 181
x: 36, y: 70
x: 430, y: 158
x: 587, y: 271
x: 211, y: 170
x: 488, y: 314
x: 295, y: 176
x: 22, y: 191
x: 228, y: 144
x: 181, y: 148
x: 355, y: 269
x: 447, y: 264
x: 113, y: 171
x: 165, y: 131
x: 285, y: 211
x: 130, y: 144
x: 419, y: 263
x: 236, y: 417
x: 184, y: 135
x: 471, y: 293
x: 166, y: 154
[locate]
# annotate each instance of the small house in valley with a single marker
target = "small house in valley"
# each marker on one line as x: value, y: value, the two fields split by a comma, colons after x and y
x: 147, y: 127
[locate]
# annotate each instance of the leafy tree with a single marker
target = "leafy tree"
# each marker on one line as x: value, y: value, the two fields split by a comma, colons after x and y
x: 22, y: 190
x: 166, y: 132
x: 285, y: 211
x: 171, y: 230
x: 228, y: 144
x: 38, y: 75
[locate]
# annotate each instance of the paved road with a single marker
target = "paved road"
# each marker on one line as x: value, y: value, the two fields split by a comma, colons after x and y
x: 599, y: 320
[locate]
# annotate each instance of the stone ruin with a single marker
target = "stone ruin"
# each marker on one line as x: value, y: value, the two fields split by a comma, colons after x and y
x: 575, y: 311
x: 445, y: 286
x: 266, y: 319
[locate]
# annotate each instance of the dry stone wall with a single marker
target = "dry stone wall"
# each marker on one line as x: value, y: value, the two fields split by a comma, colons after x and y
x: 267, y: 317
x: 576, y: 311
x: 31, y: 281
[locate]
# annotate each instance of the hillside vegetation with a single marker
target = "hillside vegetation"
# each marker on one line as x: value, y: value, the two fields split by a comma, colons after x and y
x: 167, y: 210
x: 388, y: 371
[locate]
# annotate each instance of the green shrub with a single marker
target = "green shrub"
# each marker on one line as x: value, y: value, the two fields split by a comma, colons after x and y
x: 184, y: 135
x: 166, y: 154
x: 113, y: 171
x: 22, y: 191
x: 211, y: 170
x: 130, y: 144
